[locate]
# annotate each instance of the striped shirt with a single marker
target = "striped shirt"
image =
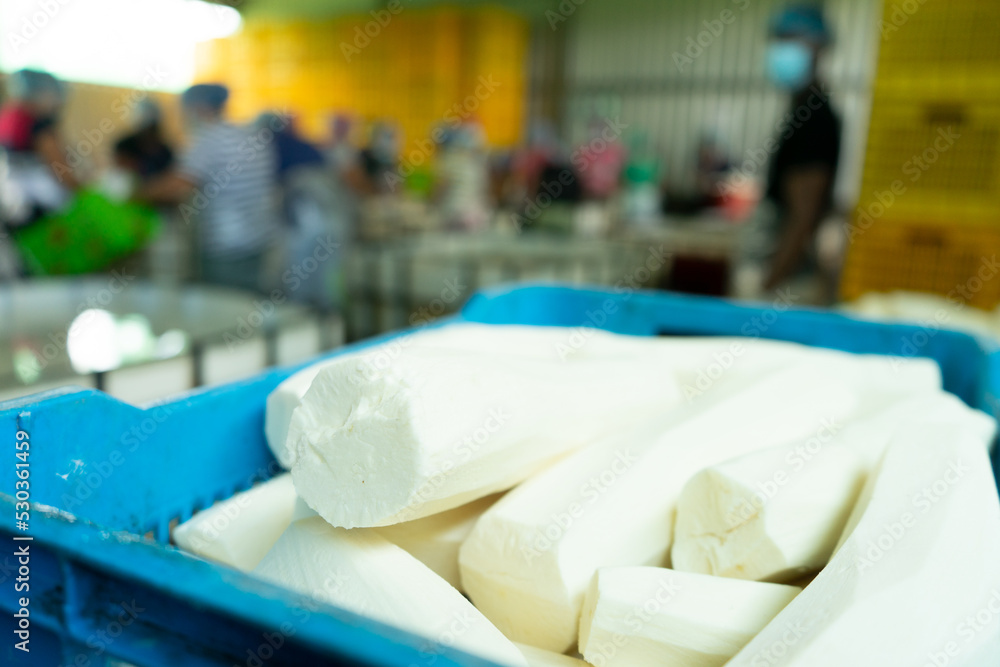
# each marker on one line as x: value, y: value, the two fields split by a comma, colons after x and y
x: 236, y: 198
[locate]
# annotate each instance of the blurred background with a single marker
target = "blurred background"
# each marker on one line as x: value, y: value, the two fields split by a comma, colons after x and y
x: 193, y: 191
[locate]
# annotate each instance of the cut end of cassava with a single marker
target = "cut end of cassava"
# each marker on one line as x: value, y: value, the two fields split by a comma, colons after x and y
x: 767, y: 516
x: 344, y: 469
x: 714, y: 514
x: 281, y: 404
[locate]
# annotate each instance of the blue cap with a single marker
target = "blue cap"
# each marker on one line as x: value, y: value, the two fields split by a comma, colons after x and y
x: 210, y: 96
x: 802, y: 21
x: 32, y: 84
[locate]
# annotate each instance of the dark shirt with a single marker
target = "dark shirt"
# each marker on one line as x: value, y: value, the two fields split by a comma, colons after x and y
x: 810, y: 136
x: 146, y: 153
x: 294, y: 152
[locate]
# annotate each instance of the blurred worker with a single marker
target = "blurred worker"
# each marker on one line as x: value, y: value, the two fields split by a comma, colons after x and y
x: 34, y: 176
x: 463, y: 178
x: 380, y: 158
x: 318, y: 215
x: 144, y: 152
x: 601, y: 160
x: 542, y: 151
x: 343, y: 157
x: 801, y: 173
x: 225, y: 179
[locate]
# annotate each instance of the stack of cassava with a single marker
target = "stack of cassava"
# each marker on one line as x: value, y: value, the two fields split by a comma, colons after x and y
x: 634, y: 501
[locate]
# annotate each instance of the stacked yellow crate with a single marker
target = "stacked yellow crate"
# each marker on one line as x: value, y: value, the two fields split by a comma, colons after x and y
x: 419, y: 68
x: 929, y: 213
x: 494, y: 73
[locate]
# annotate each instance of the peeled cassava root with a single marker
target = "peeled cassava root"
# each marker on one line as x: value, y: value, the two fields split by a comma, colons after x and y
x: 537, y: 657
x: 695, y: 362
x: 777, y: 514
x: 771, y: 515
x: 239, y: 531
x: 436, y: 539
x: 650, y: 616
x: 438, y: 429
x: 916, y: 580
x: 362, y: 572
x: 530, y: 558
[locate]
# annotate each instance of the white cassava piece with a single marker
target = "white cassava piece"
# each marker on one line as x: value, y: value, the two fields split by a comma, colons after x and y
x: 537, y: 657
x: 777, y: 514
x: 240, y: 530
x: 916, y: 582
x: 694, y: 360
x: 362, y: 572
x: 772, y: 515
x: 531, y: 557
x: 651, y: 617
x: 436, y: 539
x: 438, y: 429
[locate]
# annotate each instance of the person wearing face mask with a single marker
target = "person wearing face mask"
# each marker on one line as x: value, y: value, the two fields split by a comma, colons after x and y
x: 225, y: 179
x: 803, y: 166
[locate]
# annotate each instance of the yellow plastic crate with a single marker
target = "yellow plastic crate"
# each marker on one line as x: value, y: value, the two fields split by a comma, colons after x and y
x: 939, y: 36
x: 942, y: 258
x: 934, y: 157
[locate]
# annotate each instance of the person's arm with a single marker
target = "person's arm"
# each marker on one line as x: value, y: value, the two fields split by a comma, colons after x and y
x: 170, y: 188
x: 178, y: 184
x: 805, y: 191
x: 50, y: 150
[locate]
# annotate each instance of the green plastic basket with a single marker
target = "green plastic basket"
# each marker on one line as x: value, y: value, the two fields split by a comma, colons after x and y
x: 90, y: 234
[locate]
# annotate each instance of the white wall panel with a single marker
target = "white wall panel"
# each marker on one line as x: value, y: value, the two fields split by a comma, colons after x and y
x: 620, y: 57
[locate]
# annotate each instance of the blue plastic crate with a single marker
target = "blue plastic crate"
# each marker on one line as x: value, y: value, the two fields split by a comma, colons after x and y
x: 103, y: 583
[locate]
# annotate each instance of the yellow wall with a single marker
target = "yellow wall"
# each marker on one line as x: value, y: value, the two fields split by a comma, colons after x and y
x: 413, y: 69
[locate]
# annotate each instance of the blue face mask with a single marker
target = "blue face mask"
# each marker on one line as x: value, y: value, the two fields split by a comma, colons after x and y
x: 789, y: 64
